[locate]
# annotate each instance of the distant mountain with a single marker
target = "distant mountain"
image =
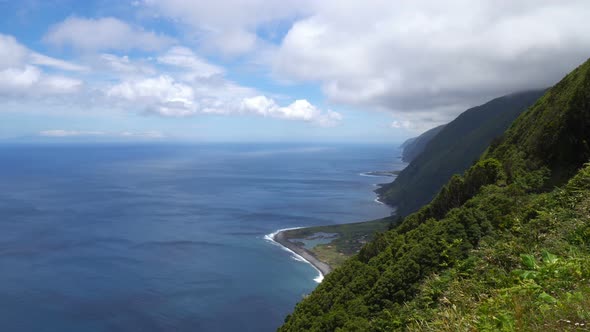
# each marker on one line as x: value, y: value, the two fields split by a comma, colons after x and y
x: 504, y: 247
x: 412, y: 147
x: 456, y: 146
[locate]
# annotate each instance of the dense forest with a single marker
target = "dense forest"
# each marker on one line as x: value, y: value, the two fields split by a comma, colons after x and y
x: 453, y: 150
x: 504, y: 247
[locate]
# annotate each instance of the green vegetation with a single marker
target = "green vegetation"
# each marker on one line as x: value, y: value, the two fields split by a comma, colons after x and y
x: 453, y: 150
x: 505, y: 247
x: 414, y: 146
x: 348, y: 242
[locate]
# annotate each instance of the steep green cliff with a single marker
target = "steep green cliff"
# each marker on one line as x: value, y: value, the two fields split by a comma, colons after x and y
x: 453, y: 150
x: 505, y: 247
x: 412, y: 147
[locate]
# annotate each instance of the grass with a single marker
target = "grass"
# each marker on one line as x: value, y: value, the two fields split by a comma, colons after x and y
x: 351, y: 238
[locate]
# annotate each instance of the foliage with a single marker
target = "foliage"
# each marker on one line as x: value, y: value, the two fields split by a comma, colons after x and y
x: 553, y: 134
x: 498, y: 249
x: 453, y: 150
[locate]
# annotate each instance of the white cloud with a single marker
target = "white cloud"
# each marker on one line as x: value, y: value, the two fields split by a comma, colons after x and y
x: 192, y: 65
x: 170, y: 96
x: 299, y: 110
x: 162, y: 95
x: 106, y: 33
x: 20, y: 74
x: 416, y: 56
x: 228, y: 26
x: 188, y: 85
x: 235, y: 41
x: 122, y: 65
x: 30, y: 81
x: 174, y: 83
x: 411, y: 57
x: 12, y: 53
x: 17, y: 79
x: 43, y: 60
x: 423, y: 60
x: 60, y: 84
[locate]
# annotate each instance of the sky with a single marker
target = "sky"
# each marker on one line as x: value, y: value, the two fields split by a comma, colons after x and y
x: 266, y: 70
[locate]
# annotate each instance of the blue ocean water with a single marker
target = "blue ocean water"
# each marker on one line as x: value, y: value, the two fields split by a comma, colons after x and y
x: 162, y: 237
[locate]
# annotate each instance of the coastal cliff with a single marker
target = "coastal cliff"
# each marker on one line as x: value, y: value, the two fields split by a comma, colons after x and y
x: 504, y: 247
x: 453, y: 150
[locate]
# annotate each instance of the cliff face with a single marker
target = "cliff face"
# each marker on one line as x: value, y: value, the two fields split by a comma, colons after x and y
x: 412, y: 147
x: 500, y: 248
x: 453, y: 150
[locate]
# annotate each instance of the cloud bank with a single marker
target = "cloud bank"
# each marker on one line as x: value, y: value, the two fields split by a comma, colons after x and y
x: 416, y: 57
x: 423, y: 60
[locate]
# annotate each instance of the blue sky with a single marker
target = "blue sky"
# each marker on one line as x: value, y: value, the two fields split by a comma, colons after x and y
x: 258, y: 70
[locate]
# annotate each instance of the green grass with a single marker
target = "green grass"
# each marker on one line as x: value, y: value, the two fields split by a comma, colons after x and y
x: 351, y: 238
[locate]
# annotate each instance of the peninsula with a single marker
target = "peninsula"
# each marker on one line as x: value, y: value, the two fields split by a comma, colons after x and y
x: 327, y: 247
x: 281, y: 238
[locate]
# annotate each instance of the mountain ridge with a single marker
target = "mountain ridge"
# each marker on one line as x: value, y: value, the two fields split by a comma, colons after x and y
x: 453, y: 150
x: 498, y: 248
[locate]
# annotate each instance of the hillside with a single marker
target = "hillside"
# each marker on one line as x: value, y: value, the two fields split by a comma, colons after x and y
x: 412, y: 147
x: 453, y: 150
x: 504, y: 247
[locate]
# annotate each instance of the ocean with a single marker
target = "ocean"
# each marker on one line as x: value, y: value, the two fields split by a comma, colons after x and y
x: 169, y: 237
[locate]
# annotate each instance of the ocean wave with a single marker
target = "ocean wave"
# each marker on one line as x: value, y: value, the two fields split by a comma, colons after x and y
x: 369, y: 175
x: 271, y: 238
x: 378, y: 174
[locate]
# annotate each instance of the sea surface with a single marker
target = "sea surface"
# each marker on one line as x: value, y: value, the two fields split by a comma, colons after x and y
x: 163, y: 237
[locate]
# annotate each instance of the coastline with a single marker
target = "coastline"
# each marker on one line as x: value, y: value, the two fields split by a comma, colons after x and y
x: 300, y: 253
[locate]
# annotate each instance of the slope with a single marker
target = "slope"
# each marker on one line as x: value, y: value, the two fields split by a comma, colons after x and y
x: 412, y: 147
x: 453, y: 150
x: 495, y: 250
